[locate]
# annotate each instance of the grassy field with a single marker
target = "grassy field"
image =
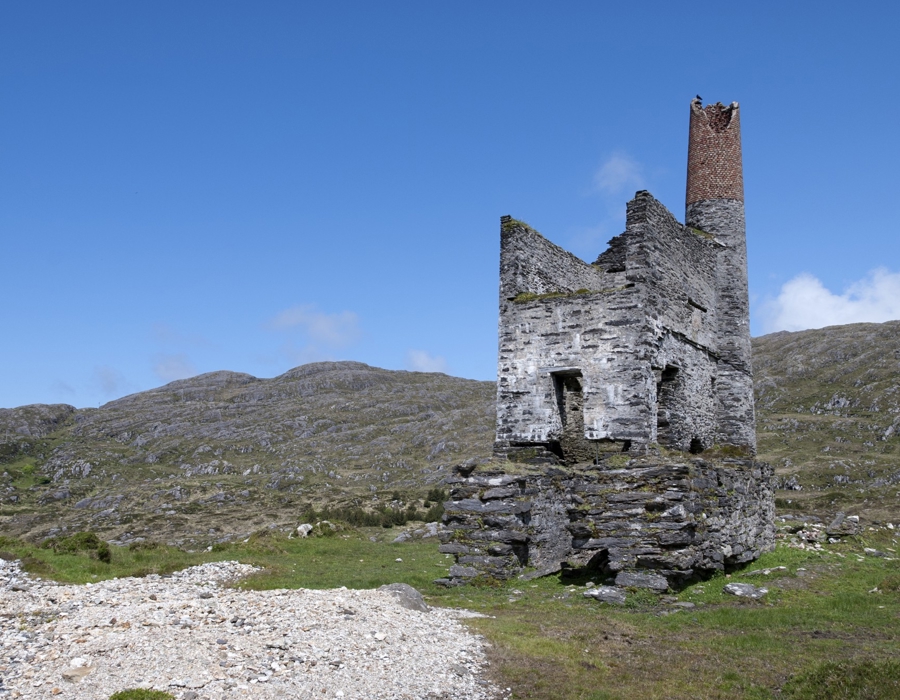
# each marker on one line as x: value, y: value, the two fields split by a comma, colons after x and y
x: 828, y: 628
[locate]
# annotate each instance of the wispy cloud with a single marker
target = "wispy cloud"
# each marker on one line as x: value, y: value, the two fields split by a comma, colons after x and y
x: 619, y: 174
x: 312, y: 335
x: 171, y: 367
x: 421, y: 361
x: 616, y: 180
x: 58, y: 386
x: 592, y: 239
x: 804, y: 302
x: 332, y: 330
x: 109, y: 381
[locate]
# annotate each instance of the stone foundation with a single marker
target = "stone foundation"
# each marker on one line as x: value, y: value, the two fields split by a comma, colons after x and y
x: 675, y: 518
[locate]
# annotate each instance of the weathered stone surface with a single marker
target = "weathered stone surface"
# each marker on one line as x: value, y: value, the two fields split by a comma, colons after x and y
x: 499, y: 493
x: 651, y: 342
x: 745, y: 590
x: 407, y: 596
x: 611, y: 520
x: 649, y: 345
x: 631, y: 579
x: 606, y: 594
x: 842, y: 526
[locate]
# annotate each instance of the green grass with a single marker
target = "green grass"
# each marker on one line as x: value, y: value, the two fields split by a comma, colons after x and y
x: 852, y: 680
x: 141, y: 694
x: 23, y: 473
x: 820, y: 632
x: 348, y: 559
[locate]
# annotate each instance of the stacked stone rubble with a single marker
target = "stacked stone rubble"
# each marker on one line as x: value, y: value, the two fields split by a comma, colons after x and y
x: 679, y: 519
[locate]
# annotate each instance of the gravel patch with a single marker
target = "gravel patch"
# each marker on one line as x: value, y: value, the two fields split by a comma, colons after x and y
x: 191, y: 636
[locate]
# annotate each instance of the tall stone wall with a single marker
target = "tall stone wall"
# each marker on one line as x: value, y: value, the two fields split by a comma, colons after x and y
x: 644, y: 310
x: 715, y: 205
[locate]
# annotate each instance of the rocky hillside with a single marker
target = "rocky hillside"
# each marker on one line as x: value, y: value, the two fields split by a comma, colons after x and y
x: 223, y: 454
x: 828, y: 416
x: 239, y: 450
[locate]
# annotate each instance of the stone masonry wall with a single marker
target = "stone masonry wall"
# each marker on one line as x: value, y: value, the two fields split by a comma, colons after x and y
x: 531, y: 263
x: 647, y: 304
x: 676, y: 268
x: 678, y: 518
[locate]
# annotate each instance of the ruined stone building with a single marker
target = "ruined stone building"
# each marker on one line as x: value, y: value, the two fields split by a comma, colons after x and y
x: 601, y: 364
x: 648, y: 344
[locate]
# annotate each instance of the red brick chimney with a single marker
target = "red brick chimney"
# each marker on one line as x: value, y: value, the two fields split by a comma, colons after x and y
x: 715, y: 170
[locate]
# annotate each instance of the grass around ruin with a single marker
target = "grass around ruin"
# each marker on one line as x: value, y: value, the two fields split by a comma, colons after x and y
x: 828, y: 628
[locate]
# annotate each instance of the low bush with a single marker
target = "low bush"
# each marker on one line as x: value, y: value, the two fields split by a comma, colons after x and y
x: 79, y: 542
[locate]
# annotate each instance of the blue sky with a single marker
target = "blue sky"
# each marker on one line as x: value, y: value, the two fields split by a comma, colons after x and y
x: 194, y: 186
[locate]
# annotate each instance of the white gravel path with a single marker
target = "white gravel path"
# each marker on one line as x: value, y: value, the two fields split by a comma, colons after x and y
x: 190, y: 636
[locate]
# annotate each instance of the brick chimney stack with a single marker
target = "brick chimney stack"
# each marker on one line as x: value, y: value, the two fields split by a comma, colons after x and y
x: 715, y: 205
x: 714, y: 153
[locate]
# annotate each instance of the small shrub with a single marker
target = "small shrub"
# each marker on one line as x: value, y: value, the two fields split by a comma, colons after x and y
x: 79, y: 542
x: 141, y: 694
x: 849, y: 680
x: 265, y: 541
x: 641, y: 598
x: 434, y: 513
x: 618, y: 461
x: 726, y: 451
x: 436, y: 496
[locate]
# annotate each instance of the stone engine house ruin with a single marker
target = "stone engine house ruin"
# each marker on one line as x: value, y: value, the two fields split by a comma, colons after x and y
x: 646, y: 347
x: 649, y: 344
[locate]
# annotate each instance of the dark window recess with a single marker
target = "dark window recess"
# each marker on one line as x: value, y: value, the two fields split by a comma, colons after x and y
x: 570, y: 402
x: 666, y: 393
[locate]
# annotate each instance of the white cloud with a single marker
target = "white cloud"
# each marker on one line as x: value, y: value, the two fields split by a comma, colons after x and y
x: 171, y: 367
x: 804, y: 302
x: 333, y: 330
x: 619, y: 174
x: 421, y: 361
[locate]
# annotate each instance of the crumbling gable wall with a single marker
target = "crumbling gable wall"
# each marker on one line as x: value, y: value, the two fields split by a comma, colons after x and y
x: 560, y: 321
x: 637, y: 326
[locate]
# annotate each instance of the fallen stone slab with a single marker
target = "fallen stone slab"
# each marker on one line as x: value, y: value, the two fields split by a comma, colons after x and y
x: 745, y: 590
x: 630, y: 579
x: 606, y: 594
x: 406, y: 596
x: 764, y: 572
